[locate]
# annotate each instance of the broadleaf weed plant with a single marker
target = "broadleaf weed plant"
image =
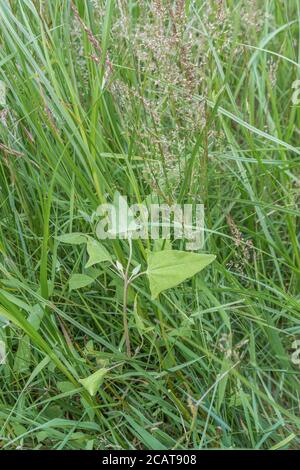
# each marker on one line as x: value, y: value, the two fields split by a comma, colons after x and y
x: 142, y: 343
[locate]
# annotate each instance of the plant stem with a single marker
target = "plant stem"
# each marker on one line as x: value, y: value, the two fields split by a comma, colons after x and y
x: 125, y: 299
x: 125, y: 320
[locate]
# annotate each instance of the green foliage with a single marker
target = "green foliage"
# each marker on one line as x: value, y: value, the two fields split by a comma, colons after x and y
x: 73, y: 238
x: 97, y: 253
x: 94, y: 381
x: 77, y: 281
x: 100, y: 98
x: 169, y: 268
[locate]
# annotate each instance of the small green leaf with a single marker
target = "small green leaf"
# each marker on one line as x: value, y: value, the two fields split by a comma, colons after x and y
x: 75, y: 238
x: 43, y: 435
x: 53, y: 412
x: 78, y: 281
x: 89, y: 445
x: 36, y: 316
x: 19, y: 429
x: 97, y: 253
x: 136, y: 270
x: 66, y: 386
x: 93, y: 382
x: 169, y: 268
x: 23, y: 355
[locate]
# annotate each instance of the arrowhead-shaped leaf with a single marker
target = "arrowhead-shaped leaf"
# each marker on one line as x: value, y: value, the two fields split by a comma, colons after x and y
x: 97, y: 253
x: 75, y: 238
x: 78, y: 281
x: 169, y: 268
x: 93, y: 382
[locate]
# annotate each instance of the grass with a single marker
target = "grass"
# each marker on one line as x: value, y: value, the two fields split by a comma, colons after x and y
x: 188, y: 104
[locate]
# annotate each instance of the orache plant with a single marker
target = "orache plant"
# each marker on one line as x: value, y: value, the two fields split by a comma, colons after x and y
x: 165, y: 269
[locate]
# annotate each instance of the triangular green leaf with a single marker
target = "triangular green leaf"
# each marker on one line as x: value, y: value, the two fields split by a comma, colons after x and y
x: 97, y: 253
x: 78, y: 281
x: 75, y: 238
x: 23, y: 355
x: 93, y: 382
x: 169, y: 268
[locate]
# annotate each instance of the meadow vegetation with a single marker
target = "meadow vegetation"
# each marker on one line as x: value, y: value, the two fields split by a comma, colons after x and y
x: 170, y: 101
